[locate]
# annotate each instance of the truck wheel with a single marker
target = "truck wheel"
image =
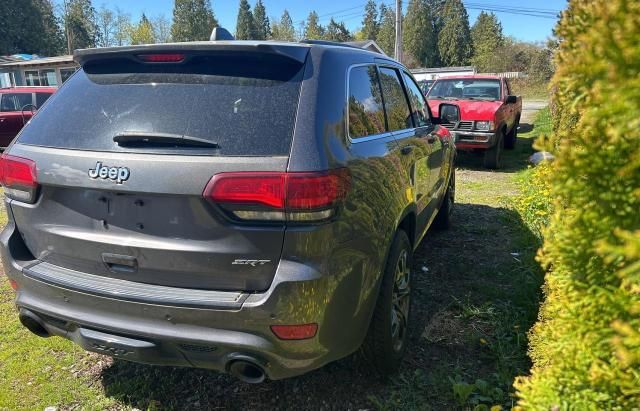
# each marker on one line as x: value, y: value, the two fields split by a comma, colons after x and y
x: 443, y: 218
x: 388, y: 333
x: 493, y: 156
x: 512, y: 137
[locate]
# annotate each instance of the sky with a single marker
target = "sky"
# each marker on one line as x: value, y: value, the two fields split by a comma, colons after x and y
x: 522, y: 27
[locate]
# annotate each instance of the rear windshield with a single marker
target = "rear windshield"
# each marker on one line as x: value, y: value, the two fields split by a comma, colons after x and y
x: 470, y: 89
x: 246, y: 104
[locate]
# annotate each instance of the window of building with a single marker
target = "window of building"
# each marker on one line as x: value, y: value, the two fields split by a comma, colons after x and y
x: 65, y: 73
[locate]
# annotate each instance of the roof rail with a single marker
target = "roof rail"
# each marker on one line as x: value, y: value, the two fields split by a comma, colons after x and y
x: 328, y: 43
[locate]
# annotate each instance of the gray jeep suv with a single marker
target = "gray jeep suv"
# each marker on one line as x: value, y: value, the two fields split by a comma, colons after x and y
x: 248, y: 207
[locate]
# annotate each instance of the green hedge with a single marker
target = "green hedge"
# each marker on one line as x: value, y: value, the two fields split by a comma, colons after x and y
x: 586, y: 345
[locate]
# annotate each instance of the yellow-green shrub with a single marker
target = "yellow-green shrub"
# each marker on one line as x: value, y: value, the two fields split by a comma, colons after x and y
x: 533, y: 203
x: 586, y: 345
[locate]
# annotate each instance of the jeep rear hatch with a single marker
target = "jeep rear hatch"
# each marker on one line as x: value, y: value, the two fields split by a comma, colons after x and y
x: 125, y: 150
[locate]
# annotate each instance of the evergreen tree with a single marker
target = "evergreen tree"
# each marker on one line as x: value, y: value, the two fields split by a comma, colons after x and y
x: 419, y: 40
x: 261, y: 22
x: 387, y: 30
x: 337, y: 32
x: 283, y: 29
x: 81, y: 24
x: 193, y: 20
x: 487, y: 40
x: 313, y: 30
x: 370, y: 22
x: 143, y: 32
x: 454, y: 40
x: 244, y: 26
x: 30, y: 26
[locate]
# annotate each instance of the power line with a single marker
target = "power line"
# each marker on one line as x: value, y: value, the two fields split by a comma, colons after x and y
x: 348, y: 13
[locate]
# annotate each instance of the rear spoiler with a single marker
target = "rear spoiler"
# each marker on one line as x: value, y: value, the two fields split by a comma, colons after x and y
x: 296, y: 52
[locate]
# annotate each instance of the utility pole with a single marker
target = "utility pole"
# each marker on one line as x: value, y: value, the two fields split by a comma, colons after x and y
x: 66, y: 25
x: 398, y: 46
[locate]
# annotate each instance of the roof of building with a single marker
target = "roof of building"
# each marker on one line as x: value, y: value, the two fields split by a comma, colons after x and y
x: 442, y: 69
x: 39, y: 61
x: 366, y: 44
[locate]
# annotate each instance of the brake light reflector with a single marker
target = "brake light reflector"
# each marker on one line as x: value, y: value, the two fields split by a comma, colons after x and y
x: 295, y: 332
x: 19, y: 177
x: 296, y: 196
x: 13, y: 284
x: 162, y: 58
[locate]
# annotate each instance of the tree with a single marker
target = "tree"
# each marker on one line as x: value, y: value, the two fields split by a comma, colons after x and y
x: 122, y: 27
x: 313, y: 30
x: 370, y: 23
x: 80, y: 23
x: 244, y: 24
x: 261, y: 22
x: 487, y: 40
x: 419, y: 40
x: 454, y: 40
x: 193, y: 20
x: 337, y: 32
x: 142, y: 33
x: 106, y: 22
x: 283, y: 29
x: 161, y: 29
x: 387, y: 30
x: 30, y: 26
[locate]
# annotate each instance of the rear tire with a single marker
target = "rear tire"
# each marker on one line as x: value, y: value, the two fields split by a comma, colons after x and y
x: 512, y: 137
x: 388, y: 334
x: 493, y: 156
x: 443, y: 218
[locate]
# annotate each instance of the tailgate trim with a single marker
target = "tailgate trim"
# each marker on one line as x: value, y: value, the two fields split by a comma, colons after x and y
x: 133, y: 291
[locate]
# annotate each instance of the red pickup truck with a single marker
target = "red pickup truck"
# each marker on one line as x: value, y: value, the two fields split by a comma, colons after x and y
x: 17, y: 105
x: 489, y: 113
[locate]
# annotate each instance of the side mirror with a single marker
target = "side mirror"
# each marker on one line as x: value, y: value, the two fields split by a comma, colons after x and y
x: 511, y: 99
x: 449, y: 114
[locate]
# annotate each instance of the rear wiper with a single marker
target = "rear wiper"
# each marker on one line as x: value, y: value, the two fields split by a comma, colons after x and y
x: 137, y: 138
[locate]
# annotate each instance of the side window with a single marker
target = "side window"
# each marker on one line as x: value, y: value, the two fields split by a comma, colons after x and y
x: 41, y: 98
x: 14, y: 101
x: 419, y: 109
x: 366, y: 115
x: 395, y: 101
x: 7, y: 103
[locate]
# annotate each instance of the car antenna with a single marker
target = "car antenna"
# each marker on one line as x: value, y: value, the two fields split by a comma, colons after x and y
x: 220, y: 33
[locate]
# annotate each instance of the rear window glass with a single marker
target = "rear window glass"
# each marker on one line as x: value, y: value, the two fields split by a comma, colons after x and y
x: 14, y: 101
x: 244, y: 103
x: 366, y: 114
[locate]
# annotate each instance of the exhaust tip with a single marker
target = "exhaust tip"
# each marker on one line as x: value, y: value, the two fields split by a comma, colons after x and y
x: 33, y: 323
x: 247, y: 372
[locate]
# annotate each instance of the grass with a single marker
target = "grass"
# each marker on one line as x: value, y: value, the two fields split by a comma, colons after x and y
x: 472, y: 310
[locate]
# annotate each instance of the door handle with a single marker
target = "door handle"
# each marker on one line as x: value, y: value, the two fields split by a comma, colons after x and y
x: 406, y: 150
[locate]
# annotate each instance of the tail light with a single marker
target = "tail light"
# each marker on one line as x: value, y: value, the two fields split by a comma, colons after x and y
x: 19, y: 177
x: 280, y: 196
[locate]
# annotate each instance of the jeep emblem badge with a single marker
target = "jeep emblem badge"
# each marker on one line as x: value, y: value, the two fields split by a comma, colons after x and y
x: 117, y: 174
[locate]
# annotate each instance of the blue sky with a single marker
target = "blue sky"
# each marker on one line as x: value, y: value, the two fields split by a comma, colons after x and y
x: 350, y: 11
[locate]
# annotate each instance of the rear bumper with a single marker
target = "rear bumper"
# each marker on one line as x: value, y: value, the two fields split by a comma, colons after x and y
x: 199, y: 336
x: 469, y: 140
